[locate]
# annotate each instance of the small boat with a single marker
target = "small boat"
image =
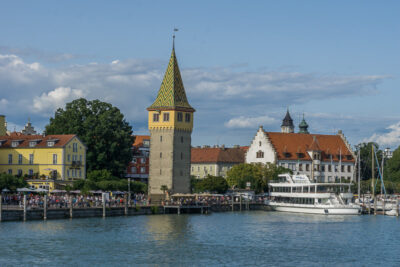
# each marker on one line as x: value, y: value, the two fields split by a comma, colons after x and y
x: 298, y: 194
x: 391, y: 212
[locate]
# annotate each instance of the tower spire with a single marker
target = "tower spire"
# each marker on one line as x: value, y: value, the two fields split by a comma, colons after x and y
x: 173, y: 39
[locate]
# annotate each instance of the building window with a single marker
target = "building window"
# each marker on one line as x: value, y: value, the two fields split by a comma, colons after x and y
x: 329, y: 168
x: 160, y: 138
x: 160, y: 155
x: 80, y: 173
x: 348, y: 168
x: 9, y: 158
x: 156, y: 117
x: 30, y: 172
x: 181, y: 139
x: 166, y: 116
x: 19, y: 159
x: 260, y: 154
x: 210, y: 168
x: 133, y: 170
x: 307, y: 167
x: 187, y: 117
x: 74, y: 147
x: 134, y: 160
x: 9, y: 171
x: 323, y: 168
x: 259, y: 143
x: 180, y: 116
x: 143, y: 170
x: 68, y: 173
x: 160, y: 171
x: 50, y: 143
x: 198, y: 169
x: 69, y: 157
x: 19, y: 172
x: 30, y: 158
x: 181, y: 155
x: 54, y: 158
x: 300, y: 167
x: 336, y: 168
x: 14, y: 143
x: 342, y: 168
x: 143, y: 160
x: 192, y: 169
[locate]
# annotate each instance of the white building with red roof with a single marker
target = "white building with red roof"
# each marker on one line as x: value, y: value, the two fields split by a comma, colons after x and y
x: 323, y: 158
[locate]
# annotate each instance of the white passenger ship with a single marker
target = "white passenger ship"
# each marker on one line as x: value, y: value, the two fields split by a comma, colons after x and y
x: 297, y: 194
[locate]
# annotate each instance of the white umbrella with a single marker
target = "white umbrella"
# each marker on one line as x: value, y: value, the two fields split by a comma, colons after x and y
x: 40, y: 190
x: 25, y: 190
x: 5, y: 190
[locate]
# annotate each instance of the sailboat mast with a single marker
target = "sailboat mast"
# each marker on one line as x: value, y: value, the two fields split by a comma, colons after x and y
x: 383, y: 162
x: 372, y: 171
x: 359, y: 174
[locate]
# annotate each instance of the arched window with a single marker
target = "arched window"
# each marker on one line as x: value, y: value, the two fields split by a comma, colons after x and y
x: 260, y: 154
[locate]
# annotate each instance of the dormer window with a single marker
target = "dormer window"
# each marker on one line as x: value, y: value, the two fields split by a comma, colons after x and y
x: 14, y: 143
x: 32, y: 143
x: 50, y: 143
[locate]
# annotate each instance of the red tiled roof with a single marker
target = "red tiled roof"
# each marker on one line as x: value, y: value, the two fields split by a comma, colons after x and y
x: 61, y: 140
x: 139, y: 140
x: 289, y: 146
x: 214, y: 155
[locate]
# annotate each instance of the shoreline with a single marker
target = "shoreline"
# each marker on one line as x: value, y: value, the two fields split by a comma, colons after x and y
x: 9, y: 215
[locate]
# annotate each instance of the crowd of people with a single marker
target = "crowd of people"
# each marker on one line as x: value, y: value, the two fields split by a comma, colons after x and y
x: 114, y: 200
x: 77, y: 201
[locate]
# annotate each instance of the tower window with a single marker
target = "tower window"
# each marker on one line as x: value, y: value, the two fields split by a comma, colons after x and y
x: 181, y: 155
x: 187, y: 117
x: 160, y: 155
x: 181, y: 139
x: 166, y: 116
x: 160, y: 138
x: 156, y: 117
x: 160, y: 171
x: 180, y: 116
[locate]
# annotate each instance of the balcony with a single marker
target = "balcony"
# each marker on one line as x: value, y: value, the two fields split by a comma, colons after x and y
x: 76, y: 164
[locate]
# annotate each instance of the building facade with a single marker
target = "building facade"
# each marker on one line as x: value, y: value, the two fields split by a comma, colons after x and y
x: 170, y: 125
x: 44, y: 160
x: 138, y: 168
x: 323, y: 158
x: 215, y: 161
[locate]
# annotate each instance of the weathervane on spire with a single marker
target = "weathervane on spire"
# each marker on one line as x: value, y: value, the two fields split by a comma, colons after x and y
x: 173, y: 38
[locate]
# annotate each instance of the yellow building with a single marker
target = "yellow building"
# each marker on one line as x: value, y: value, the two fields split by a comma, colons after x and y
x: 48, y: 162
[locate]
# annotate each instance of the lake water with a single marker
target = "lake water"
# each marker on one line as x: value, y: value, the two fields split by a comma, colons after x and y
x: 247, y: 238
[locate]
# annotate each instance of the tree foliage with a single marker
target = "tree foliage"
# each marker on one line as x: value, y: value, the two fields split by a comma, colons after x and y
x: 366, y: 159
x: 102, y: 128
x: 257, y: 174
x: 11, y: 182
x: 103, y: 180
x: 212, y: 184
x: 393, y: 166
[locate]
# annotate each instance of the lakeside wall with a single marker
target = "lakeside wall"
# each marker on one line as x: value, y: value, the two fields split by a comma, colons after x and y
x: 65, y: 213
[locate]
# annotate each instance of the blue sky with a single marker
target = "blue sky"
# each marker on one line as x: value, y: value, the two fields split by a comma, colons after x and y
x: 243, y: 63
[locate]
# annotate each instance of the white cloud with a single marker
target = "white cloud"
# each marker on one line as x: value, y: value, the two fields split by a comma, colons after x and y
x: 57, y: 98
x: 391, y: 138
x: 249, y: 122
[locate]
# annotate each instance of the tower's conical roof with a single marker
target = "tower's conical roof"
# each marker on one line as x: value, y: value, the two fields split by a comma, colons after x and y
x: 287, y: 121
x: 303, y: 126
x: 172, y: 92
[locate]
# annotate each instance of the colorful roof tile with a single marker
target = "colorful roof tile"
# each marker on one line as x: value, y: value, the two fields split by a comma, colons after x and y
x: 172, y: 92
x: 60, y: 140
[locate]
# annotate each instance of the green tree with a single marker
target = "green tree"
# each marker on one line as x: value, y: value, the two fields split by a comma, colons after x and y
x: 212, y: 184
x: 366, y: 159
x: 103, y: 130
x: 11, y: 182
x: 393, y: 167
x: 257, y: 174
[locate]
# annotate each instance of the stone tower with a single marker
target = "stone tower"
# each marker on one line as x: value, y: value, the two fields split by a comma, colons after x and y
x: 287, y: 124
x: 170, y: 126
x: 303, y: 126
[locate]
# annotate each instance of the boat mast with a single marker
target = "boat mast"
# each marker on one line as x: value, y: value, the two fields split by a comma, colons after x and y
x: 359, y: 174
x: 383, y: 162
x: 372, y: 171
